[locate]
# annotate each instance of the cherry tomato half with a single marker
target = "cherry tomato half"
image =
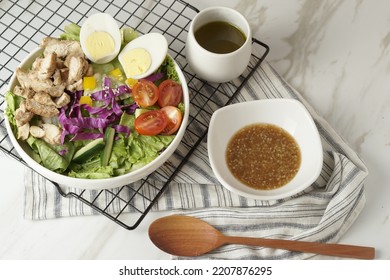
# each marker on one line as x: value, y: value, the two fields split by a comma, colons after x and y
x: 170, y: 93
x: 174, y: 117
x: 145, y: 93
x: 151, y: 123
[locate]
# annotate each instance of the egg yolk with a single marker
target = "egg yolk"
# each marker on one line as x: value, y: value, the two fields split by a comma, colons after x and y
x: 100, y: 44
x: 136, y: 62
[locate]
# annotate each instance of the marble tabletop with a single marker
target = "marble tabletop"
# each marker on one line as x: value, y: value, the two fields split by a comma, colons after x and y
x: 336, y: 53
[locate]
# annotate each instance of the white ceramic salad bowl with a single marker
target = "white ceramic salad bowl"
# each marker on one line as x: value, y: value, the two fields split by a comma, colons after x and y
x: 105, y: 183
x: 288, y: 114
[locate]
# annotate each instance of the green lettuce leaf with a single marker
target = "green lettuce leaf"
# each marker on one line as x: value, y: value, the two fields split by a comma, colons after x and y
x: 128, y: 154
x: 13, y: 103
x: 91, y: 169
x: 168, y: 67
x: 71, y: 32
x: 128, y: 34
x: 93, y: 173
x: 53, y: 157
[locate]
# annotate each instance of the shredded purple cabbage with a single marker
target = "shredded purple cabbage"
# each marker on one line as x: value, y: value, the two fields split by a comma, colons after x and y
x: 155, y: 77
x: 86, y: 136
x: 63, y: 151
x: 92, y: 127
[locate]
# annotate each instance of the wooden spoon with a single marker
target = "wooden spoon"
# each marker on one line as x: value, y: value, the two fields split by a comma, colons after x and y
x: 188, y: 236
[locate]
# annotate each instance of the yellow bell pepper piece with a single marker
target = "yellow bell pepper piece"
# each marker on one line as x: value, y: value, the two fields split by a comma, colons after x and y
x: 85, y: 99
x: 89, y: 83
x: 116, y: 74
x: 131, y: 82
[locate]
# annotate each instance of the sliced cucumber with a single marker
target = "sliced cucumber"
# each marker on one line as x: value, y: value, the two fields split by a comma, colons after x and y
x: 92, y: 148
x: 109, y: 142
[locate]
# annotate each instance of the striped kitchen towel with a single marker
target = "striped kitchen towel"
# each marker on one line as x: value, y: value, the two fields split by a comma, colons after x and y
x: 323, y: 212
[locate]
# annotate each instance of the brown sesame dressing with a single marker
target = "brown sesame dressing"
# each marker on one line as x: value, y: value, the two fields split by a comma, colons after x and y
x: 263, y: 156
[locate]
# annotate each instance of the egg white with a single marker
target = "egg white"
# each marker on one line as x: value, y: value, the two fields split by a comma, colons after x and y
x: 105, y: 23
x: 157, y: 47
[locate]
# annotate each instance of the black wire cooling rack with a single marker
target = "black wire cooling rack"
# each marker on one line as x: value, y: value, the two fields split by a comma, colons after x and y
x: 23, y: 24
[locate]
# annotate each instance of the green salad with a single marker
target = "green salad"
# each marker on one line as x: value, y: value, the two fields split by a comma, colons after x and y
x: 88, y: 120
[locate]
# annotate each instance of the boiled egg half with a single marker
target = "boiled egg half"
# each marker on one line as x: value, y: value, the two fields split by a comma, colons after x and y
x: 100, y: 38
x: 143, y: 55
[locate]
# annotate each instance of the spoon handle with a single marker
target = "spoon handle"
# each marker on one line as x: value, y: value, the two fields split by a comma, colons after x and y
x: 338, y: 250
